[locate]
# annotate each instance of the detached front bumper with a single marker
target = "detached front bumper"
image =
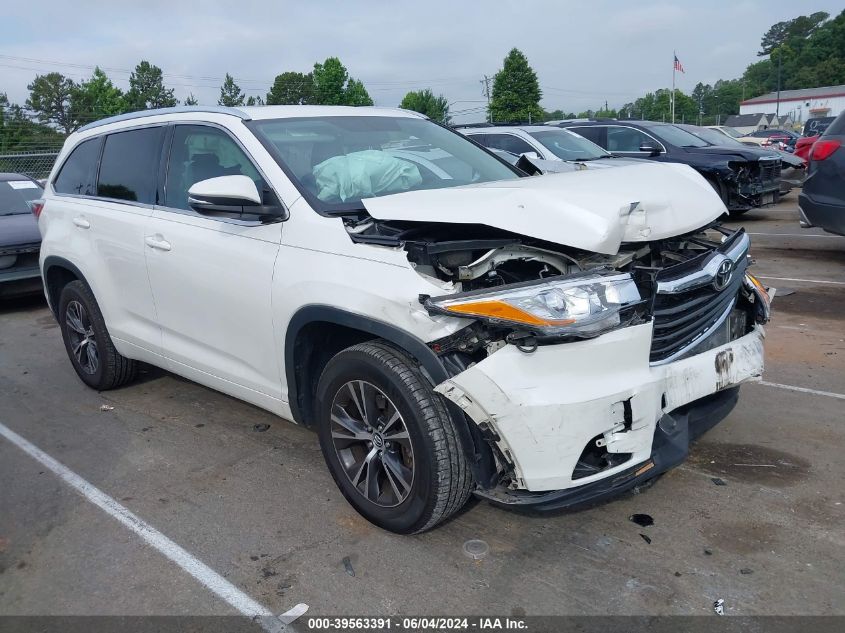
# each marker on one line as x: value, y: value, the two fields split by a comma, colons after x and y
x: 546, y: 408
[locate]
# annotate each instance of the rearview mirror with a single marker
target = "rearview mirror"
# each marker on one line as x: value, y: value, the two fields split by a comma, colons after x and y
x: 231, y: 196
x: 650, y: 148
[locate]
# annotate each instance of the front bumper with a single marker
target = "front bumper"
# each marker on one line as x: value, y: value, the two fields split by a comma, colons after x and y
x: 547, y: 407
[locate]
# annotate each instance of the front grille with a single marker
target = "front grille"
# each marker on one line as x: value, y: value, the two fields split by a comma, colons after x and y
x: 687, y: 306
x: 770, y: 170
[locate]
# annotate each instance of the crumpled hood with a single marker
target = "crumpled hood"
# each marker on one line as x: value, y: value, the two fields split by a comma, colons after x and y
x: 594, y: 210
x: 18, y: 229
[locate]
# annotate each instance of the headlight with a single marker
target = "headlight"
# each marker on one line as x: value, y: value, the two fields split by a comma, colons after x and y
x: 764, y: 298
x: 581, y: 306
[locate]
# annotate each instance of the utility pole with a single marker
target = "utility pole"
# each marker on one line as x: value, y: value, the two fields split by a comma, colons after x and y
x: 777, y: 102
x: 486, y: 82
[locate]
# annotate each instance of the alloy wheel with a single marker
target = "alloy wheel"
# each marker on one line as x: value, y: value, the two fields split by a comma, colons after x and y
x: 83, y: 342
x: 372, y: 443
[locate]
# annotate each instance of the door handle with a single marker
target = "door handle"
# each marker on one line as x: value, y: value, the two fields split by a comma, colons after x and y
x: 82, y: 223
x: 157, y: 242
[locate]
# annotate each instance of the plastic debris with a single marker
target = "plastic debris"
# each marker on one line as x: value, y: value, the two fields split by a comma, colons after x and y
x: 643, y: 520
x: 646, y: 538
x: 745, y: 571
x: 347, y: 565
x: 719, y: 482
x: 476, y: 549
x: 292, y: 614
x: 707, y: 552
x: 719, y: 607
x: 106, y: 407
x: 260, y: 427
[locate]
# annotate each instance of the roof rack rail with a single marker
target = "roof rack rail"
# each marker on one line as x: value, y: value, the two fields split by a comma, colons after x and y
x: 174, y: 110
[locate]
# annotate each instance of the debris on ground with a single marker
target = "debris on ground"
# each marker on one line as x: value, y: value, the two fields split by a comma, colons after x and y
x: 292, y: 614
x: 646, y: 538
x: 347, y: 565
x: 719, y: 607
x: 745, y: 571
x: 643, y: 520
x: 718, y: 482
x: 476, y: 549
x: 106, y: 407
x: 260, y: 427
x: 707, y: 552
x: 199, y: 426
x: 785, y: 292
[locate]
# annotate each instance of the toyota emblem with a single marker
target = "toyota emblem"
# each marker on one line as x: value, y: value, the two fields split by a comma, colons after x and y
x: 723, y: 275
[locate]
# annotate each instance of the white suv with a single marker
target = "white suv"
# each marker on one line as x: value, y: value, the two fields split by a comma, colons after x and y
x: 446, y: 325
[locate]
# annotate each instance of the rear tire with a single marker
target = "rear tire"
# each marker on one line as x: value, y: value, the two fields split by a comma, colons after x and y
x: 389, y: 440
x: 89, y: 346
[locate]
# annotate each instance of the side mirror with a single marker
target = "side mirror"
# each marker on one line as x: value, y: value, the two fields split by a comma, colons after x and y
x: 650, y: 148
x: 531, y: 155
x: 231, y: 196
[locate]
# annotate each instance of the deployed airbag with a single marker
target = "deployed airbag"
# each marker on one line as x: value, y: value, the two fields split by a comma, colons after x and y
x: 363, y: 175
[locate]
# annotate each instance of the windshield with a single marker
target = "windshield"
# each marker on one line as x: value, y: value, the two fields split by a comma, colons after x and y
x: 337, y: 161
x: 677, y: 137
x: 16, y: 194
x: 569, y: 146
x: 730, y: 131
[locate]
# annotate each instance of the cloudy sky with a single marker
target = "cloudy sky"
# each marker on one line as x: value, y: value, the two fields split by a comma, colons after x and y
x: 584, y: 53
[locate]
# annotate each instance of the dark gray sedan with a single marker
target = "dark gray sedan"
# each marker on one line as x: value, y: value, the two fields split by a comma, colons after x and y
x: 822, y: 202
x: 20, y: 240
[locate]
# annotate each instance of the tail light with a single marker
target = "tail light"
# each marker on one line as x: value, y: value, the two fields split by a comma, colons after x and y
x: 823, y: 149
x: 36, y: 206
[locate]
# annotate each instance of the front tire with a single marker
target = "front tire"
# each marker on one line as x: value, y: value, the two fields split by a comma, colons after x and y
x: 389, y: 441
x: 89, y: 346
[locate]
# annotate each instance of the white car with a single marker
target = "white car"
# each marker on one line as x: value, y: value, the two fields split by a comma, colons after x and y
x: 447, y: 326
x: 548, y: 149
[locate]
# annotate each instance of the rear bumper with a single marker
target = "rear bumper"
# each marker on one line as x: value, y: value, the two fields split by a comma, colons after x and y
x: 830, y: 217
x: 20, y: 281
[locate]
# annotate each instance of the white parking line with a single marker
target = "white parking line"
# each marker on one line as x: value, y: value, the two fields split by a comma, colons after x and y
x: 815, y: 392
x: 809, y: 281
x: 201, y: 572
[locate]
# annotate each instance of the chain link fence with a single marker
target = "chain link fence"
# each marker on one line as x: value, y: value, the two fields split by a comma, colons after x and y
x: 35, y: 164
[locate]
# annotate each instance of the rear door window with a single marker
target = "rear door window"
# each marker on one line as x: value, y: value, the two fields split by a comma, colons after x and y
x: 77, y: 174
x: 129, y: 165
x: 594, y: 133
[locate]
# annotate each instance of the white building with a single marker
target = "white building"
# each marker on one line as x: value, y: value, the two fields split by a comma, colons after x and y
x: 801, y: 105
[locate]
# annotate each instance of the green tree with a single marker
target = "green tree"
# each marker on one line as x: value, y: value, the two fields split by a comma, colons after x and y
x: 334, y: 86
x: 231, y: 94
x: 516, y: 91
x: 96, y: 98
x: 147, y: 90
x: 355, y: 94
x: 781, y: 33
x: 18, y: 132
x: 291, y: 88
x: 49, y: 98
x: 191, y: 100
x: 425, y: 102
x: 330, y: 79
x: 254, y: 100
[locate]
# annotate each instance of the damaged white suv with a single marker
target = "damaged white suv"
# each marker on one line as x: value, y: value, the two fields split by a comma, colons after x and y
x: 447, y: 325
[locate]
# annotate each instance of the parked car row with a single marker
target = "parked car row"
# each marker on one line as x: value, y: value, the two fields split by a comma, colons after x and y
x: 743, y: 177
x: 822, y: 200
x: 19, y: 237
x: 447, y: 324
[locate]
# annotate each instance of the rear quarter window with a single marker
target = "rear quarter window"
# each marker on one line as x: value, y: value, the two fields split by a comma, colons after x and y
x: 79, y: 170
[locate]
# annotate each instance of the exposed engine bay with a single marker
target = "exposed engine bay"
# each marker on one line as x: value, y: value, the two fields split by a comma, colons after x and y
x: 475, y: 258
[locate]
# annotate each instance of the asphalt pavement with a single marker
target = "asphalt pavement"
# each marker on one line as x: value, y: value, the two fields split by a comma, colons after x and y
x: 260, y: 514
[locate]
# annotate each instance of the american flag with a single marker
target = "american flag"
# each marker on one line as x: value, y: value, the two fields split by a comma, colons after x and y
x: 678, y: 65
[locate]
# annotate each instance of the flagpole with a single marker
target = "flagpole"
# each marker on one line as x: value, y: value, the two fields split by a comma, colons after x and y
x: 674, y: 65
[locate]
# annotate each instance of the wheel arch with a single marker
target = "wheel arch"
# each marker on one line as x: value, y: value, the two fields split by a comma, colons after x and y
x: 317, y: 332
x: 57, y: 272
